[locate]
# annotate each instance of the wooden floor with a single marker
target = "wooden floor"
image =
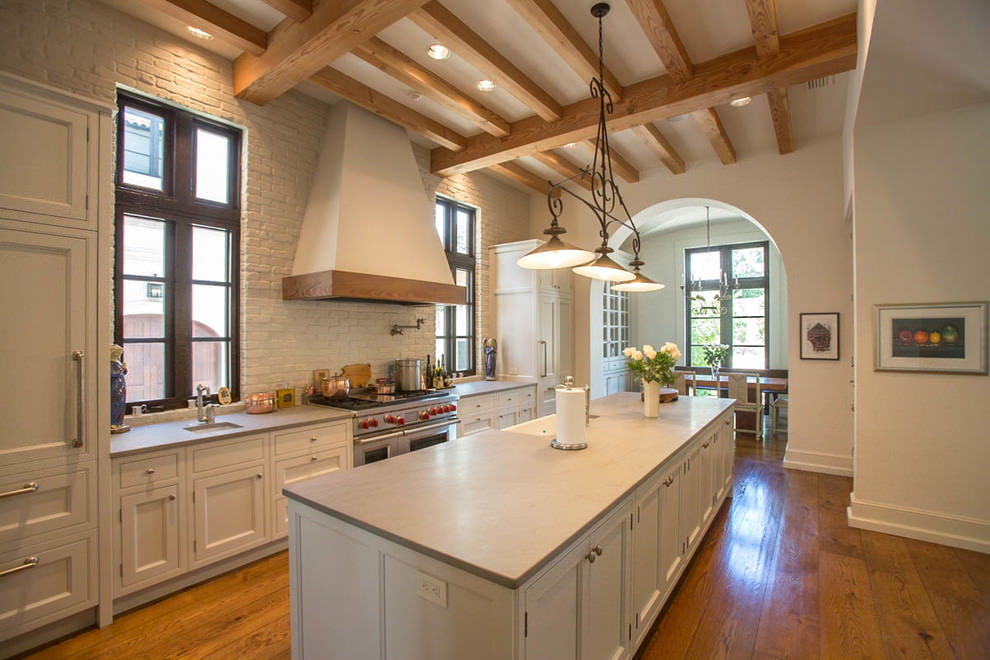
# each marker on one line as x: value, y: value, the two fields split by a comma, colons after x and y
x: 779, y: 575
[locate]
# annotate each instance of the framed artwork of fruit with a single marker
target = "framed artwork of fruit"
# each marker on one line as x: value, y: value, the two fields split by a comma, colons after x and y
x: 938, y: 338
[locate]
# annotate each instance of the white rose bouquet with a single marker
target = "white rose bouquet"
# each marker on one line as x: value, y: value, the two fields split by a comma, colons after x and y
x: 652, y: 365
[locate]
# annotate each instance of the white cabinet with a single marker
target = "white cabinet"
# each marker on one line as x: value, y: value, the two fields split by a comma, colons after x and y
x: 496, y: 410
x: 304, y: 454
x: 54, y: 348
x: 533, y: 319
x: 477, y: 413
x: 577, y: 608
x: 149, y: 522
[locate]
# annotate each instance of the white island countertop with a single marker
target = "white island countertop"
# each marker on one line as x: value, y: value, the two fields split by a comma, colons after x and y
x: 500, y: 504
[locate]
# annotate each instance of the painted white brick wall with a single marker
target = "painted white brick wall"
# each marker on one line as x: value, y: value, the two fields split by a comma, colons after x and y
x: 89, y: 48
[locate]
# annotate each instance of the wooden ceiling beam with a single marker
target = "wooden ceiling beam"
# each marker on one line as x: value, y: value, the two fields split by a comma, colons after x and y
x: 298, y: 50
x: 655, y: 140
x: 520, y: 174
x: 436, y: 20
x: 222, y: 25
x: 407, y: 71
x: 709, y: 122
x: 297, y: 10
x: 825, y: 49
x: 659, y: 29
x: 620, y: 165
x: 763, y: 21
x: 548, y: 22
x: 561, y: 165
x: 361, y: 95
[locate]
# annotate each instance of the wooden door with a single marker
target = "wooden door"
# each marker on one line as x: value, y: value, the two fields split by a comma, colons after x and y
x: 47, y: 383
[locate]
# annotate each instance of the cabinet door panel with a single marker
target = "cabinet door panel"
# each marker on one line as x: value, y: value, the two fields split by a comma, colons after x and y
x: 38, y: 339
x: 671, y: 544
x: 149, y: 535
x: 553, y: 615
x: 647, y: 580
x: 229, y: 512
x: 604, y: 635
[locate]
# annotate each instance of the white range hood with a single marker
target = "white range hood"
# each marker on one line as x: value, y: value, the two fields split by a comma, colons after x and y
x: 368, y: 232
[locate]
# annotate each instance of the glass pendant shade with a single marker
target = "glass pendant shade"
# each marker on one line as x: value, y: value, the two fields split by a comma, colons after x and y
x: 555, y: 253
x: 603, y: 268
x: 639, y: 285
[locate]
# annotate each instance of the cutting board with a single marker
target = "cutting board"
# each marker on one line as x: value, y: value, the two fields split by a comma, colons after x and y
x: 358, y: 374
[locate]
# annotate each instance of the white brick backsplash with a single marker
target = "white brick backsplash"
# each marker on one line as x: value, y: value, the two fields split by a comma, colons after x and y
x: 89, y: 48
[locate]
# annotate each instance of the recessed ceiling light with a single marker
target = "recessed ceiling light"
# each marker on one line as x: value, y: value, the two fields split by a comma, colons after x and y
x: 414, y: 95
x: 740, y: 101
x: 486, y: 85
x: 438, y: 51
x: 199, y: 34
x: 570, y: 145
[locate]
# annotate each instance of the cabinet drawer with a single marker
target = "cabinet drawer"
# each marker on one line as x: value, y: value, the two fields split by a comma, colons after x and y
x: 310, y: 437
x: 49, y: 581
x: 290, y: 470
x: 224, y: 453
x: 145, y: 469
x: 472, y: 406
x: 508, y: 402
x: 46, y: 501
x: 477, y: 423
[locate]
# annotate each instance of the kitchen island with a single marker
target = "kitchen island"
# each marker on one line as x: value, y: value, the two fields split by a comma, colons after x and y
x: 498, y: 546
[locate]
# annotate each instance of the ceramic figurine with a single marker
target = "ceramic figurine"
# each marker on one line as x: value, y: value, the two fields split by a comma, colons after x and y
x: 490, y: 351
x: 118, y: 390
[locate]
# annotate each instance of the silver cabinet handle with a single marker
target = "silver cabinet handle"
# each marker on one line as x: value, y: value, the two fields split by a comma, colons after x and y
x: 597, y: 550
x: 30, y: 562
x: 591, y: 557
x: 545, y: 361
x: 313, y: 458
x: 29, y: 487
x: 313, y: 439
x: 80, y: 440
x: 150, y: 470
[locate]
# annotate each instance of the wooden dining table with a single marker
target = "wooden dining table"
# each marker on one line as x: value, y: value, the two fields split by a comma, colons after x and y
x: 767, y: 384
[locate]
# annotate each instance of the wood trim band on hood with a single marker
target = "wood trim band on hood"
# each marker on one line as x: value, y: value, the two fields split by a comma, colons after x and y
x: 332, y: 284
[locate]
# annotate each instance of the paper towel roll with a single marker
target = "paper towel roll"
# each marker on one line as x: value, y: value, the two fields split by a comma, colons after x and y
x: 571, y: 431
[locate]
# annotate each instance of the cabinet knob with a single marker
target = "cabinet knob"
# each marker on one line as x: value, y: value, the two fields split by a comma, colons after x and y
x: 313, y: 458
x: 705, y: 445
x: 171, y: 497
x: 598, y: 550
x: 259, y: 475
x: 313, y: 439
x: 668, y: 481
x: 150, y: 470
x: 591, y: 556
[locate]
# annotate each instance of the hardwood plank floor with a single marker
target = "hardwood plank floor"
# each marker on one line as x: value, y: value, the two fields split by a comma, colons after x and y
x: 779, y: 575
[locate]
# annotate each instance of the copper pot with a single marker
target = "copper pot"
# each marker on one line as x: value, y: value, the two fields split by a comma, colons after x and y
x: 335, y: 387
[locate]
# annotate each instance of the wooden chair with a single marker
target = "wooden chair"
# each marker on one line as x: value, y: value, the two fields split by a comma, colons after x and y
x: 684, y: 382
x: 779, y: 404
x: 739, y: 389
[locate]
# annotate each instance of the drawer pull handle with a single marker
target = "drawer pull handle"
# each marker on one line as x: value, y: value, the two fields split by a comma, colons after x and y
x: 150, y: 470
x: 29, y: 487
x: 171, y: 497
x: 313, y: 439
x: 313, y: 458
x: 259, y: 475
x: 30, y: 562
x: 80, y: 440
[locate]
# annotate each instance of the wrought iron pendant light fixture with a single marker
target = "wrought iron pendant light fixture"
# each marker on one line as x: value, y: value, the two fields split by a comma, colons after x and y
x: 718, y: 303
x: 606, y: 201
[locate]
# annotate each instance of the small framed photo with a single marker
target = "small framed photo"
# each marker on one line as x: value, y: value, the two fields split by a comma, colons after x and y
x: 936, y: 338
x: 319, y: 375
x: 819, y: 334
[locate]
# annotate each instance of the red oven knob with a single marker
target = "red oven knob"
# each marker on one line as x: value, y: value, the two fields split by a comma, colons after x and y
x: 400, y: 420
x: 424, y: 415
x: 390, y: 419
x: 363, y: 424
x: 453, y: 407
x: 373, y: 422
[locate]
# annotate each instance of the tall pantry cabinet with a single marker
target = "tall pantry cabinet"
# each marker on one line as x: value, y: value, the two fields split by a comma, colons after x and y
x: 55, y: 281
x: 533, y: 320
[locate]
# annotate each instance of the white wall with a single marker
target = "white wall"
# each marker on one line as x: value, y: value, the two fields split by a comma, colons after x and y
x: 797, y: 200
x: 659, y: 316
x: 922, y: 463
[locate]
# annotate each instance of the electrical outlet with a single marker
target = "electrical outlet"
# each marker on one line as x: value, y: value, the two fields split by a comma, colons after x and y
x: 431, y: 589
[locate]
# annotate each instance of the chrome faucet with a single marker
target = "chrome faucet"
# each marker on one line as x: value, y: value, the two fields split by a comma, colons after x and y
x: 200, y: 408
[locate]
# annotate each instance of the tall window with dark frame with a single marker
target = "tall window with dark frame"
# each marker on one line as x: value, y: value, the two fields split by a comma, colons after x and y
x: 455, y: 333
x: 741, y: 318
x: 177, y: 237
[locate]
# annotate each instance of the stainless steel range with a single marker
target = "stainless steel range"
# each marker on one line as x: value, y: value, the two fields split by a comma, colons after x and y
x: 387, y: 425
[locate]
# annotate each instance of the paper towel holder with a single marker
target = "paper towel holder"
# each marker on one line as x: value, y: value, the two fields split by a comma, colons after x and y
x: 568, y: 384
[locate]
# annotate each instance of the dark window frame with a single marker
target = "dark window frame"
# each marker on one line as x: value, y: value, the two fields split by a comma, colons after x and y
x: 725, y: 320
x: 460, y: 261
x: 177, y: 205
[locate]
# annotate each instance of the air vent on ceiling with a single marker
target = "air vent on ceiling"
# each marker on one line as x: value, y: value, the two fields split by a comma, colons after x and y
x: 819, y: 83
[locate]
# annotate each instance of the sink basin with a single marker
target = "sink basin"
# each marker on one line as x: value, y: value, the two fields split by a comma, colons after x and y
x: 545, y: 427
x: 216, y: 426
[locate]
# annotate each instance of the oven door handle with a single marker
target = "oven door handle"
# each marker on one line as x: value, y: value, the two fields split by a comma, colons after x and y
x: 377, y: 438
x: 440, y: 425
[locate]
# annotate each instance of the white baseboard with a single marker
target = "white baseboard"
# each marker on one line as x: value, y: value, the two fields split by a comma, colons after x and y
x: 955, y: 531
x: 814, y: 461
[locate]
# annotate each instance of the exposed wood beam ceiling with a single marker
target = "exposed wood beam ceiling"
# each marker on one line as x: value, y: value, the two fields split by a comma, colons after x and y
x: 763, y: 20
x: 298, y: 50
x: 315, y: 34
x: 825, y: 49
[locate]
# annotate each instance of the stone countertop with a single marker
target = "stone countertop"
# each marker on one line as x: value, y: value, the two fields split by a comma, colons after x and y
x: 501, y: 504
x: 489, y: 386
x: 169, y: 434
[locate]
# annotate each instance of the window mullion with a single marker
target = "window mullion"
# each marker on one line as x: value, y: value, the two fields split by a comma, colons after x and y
x: 181, y: 321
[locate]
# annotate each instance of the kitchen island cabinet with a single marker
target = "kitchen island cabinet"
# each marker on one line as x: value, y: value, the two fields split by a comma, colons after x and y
x: 498, y: 546
x: 488, y: 404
